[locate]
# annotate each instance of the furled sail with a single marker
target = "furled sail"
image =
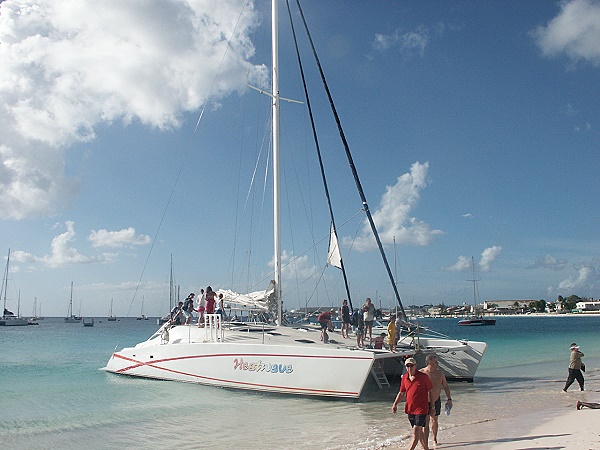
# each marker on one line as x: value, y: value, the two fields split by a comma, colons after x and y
x: 263, y: 300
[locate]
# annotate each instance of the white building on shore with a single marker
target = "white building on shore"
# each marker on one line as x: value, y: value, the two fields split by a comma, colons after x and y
x: 590, y: 305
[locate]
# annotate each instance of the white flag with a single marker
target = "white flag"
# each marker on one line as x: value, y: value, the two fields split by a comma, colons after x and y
x: 334, y: 257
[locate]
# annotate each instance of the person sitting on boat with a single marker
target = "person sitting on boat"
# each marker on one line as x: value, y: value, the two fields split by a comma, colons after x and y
x: 378, y: 342
x: 176, y: 314
x: 188, y: 308
x: 325, y: 321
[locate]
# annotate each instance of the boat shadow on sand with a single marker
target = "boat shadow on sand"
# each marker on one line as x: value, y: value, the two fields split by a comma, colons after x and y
x: 486, y: 442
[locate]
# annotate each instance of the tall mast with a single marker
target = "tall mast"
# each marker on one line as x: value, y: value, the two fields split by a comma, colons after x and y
x: 276, y: 162
x: 171, y: 289
x: 71, y: 301
x: 5, y: 282
x: 474, y: 280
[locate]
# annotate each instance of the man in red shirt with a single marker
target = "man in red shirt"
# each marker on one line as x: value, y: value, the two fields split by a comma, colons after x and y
x: 416, y: 388
x: 324, y: 320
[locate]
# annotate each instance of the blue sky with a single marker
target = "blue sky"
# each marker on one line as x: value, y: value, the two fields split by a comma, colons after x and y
x: 473, y: 125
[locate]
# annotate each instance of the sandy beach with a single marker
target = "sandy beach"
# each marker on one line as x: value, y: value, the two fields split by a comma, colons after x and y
x: 558, y: 428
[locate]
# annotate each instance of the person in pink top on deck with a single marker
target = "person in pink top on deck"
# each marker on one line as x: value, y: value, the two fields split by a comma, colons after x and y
x: 211, y: 300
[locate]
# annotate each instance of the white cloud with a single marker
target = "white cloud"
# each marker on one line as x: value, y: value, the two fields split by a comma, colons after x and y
x: 393, y: 219
x: 575, y: 31
x: 117, y: 239
x: 407, y: 42
x: 68, y: 67
x: 295, y: 267
x: 468, y: 216
x: 587, y: 277
x: 488, y: 256
x: 462, y: 264
x: 62, y: 252
x: 549, y: 262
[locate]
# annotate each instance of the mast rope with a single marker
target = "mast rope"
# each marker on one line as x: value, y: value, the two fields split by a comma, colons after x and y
x: 351, y: 163
x: 317, y: 146
x: 185, y: 157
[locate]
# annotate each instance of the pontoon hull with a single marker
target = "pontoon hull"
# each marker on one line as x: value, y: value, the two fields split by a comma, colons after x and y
x: 458, y: 359
x: 311, y: 369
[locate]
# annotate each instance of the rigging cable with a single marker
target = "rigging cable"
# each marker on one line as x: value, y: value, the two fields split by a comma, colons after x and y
x: 185, y: 156
x: 352, y: 166
x: 317, y: 142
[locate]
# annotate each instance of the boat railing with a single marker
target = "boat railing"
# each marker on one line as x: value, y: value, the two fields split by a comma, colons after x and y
x: 413, y: 332
x: 213, y: 327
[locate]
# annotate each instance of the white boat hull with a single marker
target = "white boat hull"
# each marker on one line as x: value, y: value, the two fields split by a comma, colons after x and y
x: 12, y: 322
x: 244, y: 361
x: 72, y: 319
x: 457, y: 358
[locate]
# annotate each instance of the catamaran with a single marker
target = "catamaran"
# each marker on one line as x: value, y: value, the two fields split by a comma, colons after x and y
x: 278, y: 358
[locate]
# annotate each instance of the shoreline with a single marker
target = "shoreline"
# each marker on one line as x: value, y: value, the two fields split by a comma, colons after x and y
x: 583, y: 314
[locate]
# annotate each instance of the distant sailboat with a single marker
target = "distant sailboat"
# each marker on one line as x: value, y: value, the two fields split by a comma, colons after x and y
x: 142, y: 316
x: 8, y: 317
x: 72, y: 318
x: 475, y: 320
x: 33, y: 320
x: 37, y: 310
x: 111, y: 318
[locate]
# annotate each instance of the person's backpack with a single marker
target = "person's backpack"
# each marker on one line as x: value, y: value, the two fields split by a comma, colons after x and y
x: 354, y: 318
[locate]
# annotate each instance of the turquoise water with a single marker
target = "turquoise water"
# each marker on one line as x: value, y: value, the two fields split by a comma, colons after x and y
x: 55, y: 396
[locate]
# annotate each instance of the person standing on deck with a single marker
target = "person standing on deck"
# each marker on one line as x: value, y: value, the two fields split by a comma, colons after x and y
x: 575, y: 366
x: 201, y: 307
x: 438, y: 380
x: 188, y: 308
x: 416, y: 387
x: 369, y: 316
x: 345, y: 314
x: 211, y: 300
x: 360, y: 330
x: 392, y: 333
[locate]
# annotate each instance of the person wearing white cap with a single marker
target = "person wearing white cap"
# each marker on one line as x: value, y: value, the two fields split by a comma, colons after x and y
x: 575, y: 368
x: 416, y: 387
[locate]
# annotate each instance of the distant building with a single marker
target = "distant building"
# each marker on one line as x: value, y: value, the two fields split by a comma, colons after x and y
x: 506, y: 306
x: 590, y: 305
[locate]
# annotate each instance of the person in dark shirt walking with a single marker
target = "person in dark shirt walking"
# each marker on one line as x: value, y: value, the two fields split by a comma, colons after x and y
x: 575, y: 368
